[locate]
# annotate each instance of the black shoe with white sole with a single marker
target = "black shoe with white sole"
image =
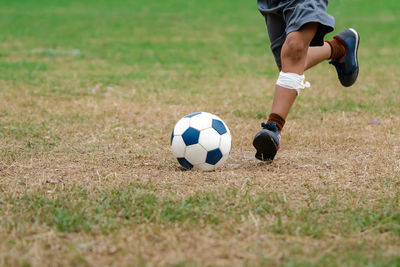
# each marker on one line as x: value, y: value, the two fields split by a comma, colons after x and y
x: 267, y: 142
x: 347, y: 67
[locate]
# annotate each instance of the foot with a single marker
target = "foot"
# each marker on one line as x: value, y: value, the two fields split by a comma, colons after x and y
x: 347, y: 66
x: 267, y: 142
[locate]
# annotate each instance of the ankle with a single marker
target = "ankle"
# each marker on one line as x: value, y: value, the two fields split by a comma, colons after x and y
x: 277, y: 119
x: 338, y: 49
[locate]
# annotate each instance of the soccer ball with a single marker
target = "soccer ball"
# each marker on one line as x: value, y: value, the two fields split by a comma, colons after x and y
x: 201, y: 140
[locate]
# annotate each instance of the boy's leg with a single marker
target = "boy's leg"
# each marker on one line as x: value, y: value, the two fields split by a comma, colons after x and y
x: 293, y: 55
x: 297, y: 57
x: 317, y: 54
x: 342, y: 50
x: 332, y: 49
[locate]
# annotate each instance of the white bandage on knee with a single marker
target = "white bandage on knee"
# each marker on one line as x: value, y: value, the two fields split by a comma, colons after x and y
x: 292, y: 81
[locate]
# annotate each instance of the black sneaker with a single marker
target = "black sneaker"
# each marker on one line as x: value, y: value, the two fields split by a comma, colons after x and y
x: 347, y: 66
x: 267, y: 142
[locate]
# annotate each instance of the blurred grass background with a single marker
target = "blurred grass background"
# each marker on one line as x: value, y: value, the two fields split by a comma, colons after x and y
x: 163, y: 46
x: 90, y: 90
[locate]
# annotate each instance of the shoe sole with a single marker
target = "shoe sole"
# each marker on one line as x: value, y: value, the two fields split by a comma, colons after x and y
x: 358, y: 41
x: 356, y: 53
x: 265, y: 146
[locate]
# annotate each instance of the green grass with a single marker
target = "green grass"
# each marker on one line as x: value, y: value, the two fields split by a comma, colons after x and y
x: 89, y: 93
x: 75, y: 209
x: 70, y: 47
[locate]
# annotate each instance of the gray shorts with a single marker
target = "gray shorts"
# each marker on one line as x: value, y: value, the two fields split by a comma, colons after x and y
x: 286, y: 16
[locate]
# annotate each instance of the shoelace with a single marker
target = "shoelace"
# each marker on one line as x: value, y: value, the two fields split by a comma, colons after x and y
x: 269, y: 126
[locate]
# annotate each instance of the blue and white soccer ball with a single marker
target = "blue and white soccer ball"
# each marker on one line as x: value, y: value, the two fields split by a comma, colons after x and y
x: 201, y: 140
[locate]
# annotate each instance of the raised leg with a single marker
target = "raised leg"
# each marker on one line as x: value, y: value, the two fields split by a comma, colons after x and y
x: 317, y: 54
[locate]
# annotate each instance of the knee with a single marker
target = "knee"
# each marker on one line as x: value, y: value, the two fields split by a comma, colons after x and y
x: 294, y: 49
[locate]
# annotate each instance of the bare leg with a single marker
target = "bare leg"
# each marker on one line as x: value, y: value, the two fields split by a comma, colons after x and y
x: 317, y: 54
x: 294, y: 57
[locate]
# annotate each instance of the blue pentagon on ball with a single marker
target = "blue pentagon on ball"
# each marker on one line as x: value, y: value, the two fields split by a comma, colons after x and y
x: 213, y: 156
x: 185, y: 164
x: 218, y: 126
x: 191, y: 136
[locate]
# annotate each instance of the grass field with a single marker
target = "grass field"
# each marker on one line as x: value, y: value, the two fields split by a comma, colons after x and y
x: 89, y: 94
